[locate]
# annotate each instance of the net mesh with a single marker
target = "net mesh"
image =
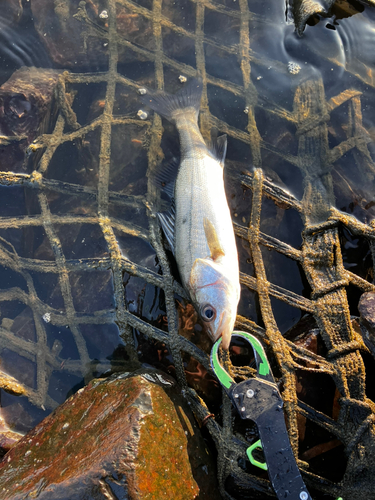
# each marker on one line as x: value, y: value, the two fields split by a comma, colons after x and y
x: 319, y: 255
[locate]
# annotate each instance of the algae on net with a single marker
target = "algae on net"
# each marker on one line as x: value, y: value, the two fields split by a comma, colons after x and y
x: 86, y: 284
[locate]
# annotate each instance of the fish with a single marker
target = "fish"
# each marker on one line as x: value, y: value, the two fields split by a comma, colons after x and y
x: 198, y: 226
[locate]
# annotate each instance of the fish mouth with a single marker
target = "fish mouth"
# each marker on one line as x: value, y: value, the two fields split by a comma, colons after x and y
x: 223, y: 330
x: 226, y: 336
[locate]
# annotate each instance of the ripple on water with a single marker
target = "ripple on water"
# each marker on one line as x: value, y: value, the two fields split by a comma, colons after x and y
x: 20, y: 44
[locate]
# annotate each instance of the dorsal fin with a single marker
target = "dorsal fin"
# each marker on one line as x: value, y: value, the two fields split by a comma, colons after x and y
x: 216, y: 250
x: 165, y: 176
x: 219, y: 148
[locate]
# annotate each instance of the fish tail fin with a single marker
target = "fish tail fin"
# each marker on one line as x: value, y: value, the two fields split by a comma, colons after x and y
x: 167, y: 105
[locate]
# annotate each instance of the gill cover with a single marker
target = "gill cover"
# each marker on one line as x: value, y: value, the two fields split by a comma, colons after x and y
x: 210, y: 287
x: 204, y: 273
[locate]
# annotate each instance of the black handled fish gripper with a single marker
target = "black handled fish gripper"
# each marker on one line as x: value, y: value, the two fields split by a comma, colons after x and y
x: 258, y: 399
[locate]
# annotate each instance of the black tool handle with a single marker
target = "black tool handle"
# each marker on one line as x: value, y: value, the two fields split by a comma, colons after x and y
x: 283, y: 472
x: 261, y: 402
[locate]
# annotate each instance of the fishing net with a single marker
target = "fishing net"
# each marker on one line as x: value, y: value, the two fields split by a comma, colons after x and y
x: 117, y: 207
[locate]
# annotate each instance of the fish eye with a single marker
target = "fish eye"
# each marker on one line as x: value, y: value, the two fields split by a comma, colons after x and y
x: 208, y: 312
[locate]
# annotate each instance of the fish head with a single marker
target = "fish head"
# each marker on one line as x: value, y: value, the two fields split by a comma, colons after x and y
x: 215, y: 296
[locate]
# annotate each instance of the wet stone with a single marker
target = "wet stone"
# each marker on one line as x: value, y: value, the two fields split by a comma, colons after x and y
x: 310, y: 12
x: 366, y: 309
x: 8, y: 438
x: 83, y: 28
x: 128, y: 436
x: 304, y: 10
x: 27, y: 110
x: 76, y: 33
x: 80, y: 28
x: 12, y: 10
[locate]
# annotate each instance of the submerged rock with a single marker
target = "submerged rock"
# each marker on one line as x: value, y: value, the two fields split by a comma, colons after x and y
x: 27, y: 110
x: 130, y: 437
x: 366, y: 309
x: 76, y: 34
x: 8, y: 438
x: 12, y: 10
x: 84, y: 30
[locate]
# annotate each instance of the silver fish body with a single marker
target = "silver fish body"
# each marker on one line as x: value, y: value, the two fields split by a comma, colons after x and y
x: 199, y: 228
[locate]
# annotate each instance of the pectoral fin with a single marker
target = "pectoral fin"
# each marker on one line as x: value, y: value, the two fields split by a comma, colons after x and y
x: 167, y: 221
x: 213, y: 242
x: 219, y: 148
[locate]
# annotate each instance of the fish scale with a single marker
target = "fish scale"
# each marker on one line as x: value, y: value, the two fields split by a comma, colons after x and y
x: 200, y: 231
x: 195, y: 206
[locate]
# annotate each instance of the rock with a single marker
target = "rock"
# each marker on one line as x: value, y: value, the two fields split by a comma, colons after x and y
x: 8, y: 438
x: 303, y: 10
x: 12, y: 10
x: 310, y: 11
x: 26, y: 111
x: 366, y: 309
x: 129, y: 436
x: 75, y: 33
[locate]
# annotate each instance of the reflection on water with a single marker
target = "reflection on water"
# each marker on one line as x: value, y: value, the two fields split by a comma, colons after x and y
x: 63, y: 307
x: 20, y: 44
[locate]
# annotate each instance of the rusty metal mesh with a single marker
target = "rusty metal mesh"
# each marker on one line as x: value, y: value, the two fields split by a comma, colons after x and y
x: 319, y: 256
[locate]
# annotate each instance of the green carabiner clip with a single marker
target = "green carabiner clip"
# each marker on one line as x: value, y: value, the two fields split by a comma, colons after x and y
x: 227, y: 381
x: 263, y: 366
x: 253, y: 461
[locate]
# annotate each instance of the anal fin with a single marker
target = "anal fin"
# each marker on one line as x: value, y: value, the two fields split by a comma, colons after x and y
x: 219, y: 148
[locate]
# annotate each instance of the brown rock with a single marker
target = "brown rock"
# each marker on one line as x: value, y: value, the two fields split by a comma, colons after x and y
x: 68, y: 31
x: 311, y: 11
x: 75, y: 32
x: 128, y: 437
x: 12, y: 10
x: 366, y: 309
x: 8, y: 438
x: 26, y: 111
x: 303, y: 10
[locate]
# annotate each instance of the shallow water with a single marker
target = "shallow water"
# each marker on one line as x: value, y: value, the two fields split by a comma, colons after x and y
x: 59, y: 309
